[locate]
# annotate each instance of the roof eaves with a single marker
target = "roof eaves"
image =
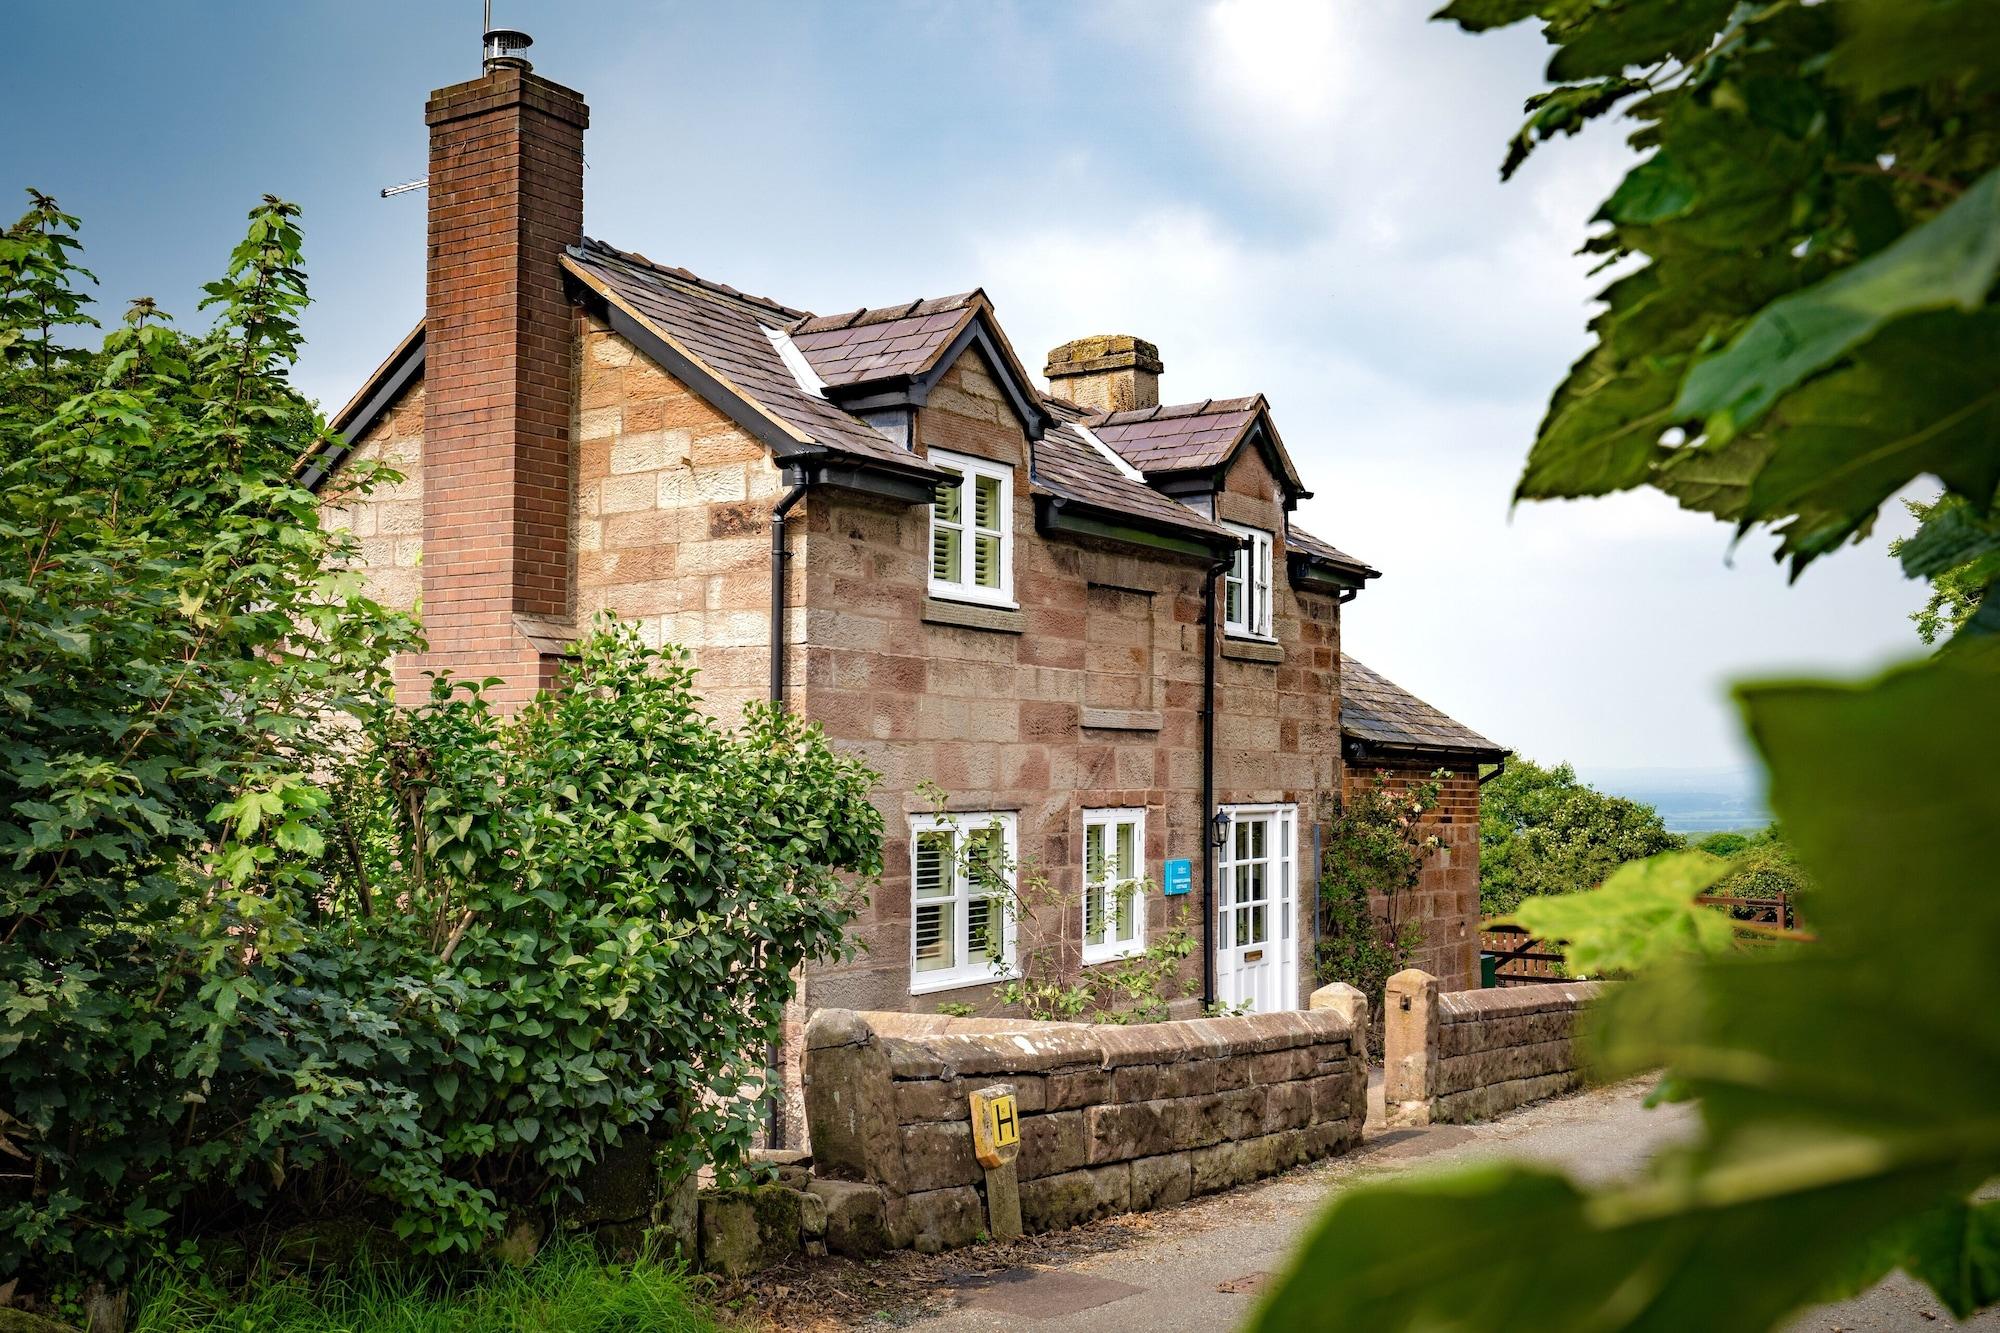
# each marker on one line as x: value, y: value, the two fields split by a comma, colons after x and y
x: 358, y: 415
x: 1058, y: 513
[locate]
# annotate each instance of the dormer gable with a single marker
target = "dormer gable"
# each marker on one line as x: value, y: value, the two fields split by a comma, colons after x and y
x: 882, y: 359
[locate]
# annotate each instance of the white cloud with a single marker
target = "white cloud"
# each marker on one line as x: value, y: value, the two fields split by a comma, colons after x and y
x: 1408, y: 319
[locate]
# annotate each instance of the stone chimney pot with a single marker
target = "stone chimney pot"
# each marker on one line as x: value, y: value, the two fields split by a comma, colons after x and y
x: 1108, y: 372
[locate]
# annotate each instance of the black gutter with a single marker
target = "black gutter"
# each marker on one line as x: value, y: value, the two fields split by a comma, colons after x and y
x: 1208, y: 781
x: 1362, y: 751
x: 1056, y: 514
x: 774, y: 1058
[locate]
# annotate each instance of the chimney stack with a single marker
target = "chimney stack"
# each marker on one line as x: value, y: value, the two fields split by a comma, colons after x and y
x: 506, y: 198
x: 1112, y: 372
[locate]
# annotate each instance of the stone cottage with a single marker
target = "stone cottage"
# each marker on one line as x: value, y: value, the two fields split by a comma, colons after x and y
x: 1085, y: 615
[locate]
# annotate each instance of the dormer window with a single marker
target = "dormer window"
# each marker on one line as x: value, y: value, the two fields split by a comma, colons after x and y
x: 972, y: 531
x: 1246, y: 588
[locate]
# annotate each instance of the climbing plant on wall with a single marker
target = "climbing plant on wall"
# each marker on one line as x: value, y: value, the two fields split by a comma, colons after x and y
x: 1376, y: 850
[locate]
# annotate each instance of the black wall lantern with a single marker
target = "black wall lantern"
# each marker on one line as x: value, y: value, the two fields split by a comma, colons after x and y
x: 1221, y: 826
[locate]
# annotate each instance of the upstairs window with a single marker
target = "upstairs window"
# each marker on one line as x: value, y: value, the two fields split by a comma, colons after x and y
x: 961, y: 931
x: 1114, y: 885
x: 972, y: 532
x: 1246, y: 588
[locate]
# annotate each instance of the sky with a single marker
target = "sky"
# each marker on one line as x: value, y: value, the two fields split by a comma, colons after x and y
x: 1297, y: 199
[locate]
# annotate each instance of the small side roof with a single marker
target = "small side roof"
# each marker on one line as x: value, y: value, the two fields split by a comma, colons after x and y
x: 1071, y: 468
x: 1379, y: 716
x: 1299, y: 542
x: 865, y: 346
x: 1195, y: 437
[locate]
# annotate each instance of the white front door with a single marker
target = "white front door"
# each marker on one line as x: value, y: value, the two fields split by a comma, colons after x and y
x: 1256, y: 927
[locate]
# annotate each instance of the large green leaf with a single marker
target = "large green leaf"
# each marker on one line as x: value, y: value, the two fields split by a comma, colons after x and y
x: 1645, y: 913
x: 1922, y: 397
x: 1951, y: 260
x: 1850, y: 1089
x: 1895, y: 44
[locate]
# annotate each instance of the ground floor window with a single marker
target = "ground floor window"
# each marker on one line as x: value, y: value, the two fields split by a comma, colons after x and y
x: 961, y: 932
x: 1114, y: 883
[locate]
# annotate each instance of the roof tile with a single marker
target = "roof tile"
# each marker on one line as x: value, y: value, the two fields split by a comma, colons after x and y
x: 1377, y: 710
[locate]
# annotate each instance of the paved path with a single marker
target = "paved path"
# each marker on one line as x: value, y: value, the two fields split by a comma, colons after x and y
x: 1202, y: 1266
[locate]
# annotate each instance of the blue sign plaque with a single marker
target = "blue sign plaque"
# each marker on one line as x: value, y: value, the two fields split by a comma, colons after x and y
x: 1179, y: 876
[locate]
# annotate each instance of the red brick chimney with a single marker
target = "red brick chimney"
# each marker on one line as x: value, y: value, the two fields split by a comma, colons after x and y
x: 506, y: 196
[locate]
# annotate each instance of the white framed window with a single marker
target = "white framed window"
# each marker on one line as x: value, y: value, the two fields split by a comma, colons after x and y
x: 972, y: 531
x: 1114, y: 884
x: 1246, y: 587
x: 961, y: 931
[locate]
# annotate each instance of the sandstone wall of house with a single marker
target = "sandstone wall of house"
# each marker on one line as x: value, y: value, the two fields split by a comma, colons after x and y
x: 1113, y: 1119
x: 387, y: 521
x: 1088, y: 696
x: 1445, y: 901
x: 673, y: 520
x: 1452, y: 1057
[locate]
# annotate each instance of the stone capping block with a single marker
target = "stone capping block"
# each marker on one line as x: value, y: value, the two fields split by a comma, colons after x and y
x: 1472, y: 1006
x: 971, y: 615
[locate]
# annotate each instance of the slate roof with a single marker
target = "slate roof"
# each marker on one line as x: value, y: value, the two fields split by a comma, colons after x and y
x: 1179, y: 438
x: 869, y: 345
x: 724, y: 329
x: 1068, y: 465
x: 1377, y: 711
x: 1303, y: 542
x: 729, y: 333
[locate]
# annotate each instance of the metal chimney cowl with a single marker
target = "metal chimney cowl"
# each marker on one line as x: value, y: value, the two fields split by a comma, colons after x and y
x: 504, y: 48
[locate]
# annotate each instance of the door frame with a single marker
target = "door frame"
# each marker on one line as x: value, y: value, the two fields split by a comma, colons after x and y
x: 1282, y: 853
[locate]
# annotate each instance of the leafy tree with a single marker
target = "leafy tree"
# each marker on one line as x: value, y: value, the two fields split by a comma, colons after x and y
x: 1723, y: 844
x: 1375, y: 853
x: 1541, y: 830
x: 1763, y: 867
x: 1958, y: 551
x: 269, y: 944
x: 1814, y: 245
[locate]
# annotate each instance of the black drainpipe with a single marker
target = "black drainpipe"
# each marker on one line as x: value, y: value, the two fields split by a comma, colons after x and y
x: 1208, y: 781
x: 799, y: 481
x: 774, y: 1057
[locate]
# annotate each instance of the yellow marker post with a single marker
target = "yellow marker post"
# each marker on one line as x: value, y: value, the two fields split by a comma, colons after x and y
x: 996, y: 1140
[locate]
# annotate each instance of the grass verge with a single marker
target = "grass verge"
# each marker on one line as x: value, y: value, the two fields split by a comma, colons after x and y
x: 569, y: 1288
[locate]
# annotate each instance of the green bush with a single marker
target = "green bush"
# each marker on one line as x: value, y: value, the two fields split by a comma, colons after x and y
x: 268, y: 942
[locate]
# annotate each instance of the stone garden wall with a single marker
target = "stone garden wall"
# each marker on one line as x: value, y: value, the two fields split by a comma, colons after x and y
x: 1461, y: 1056
x: 1112, y: 1119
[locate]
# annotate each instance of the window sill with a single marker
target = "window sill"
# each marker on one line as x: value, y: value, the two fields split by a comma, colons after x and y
x: 1252, y: 650
x: 1124, y: 719
x: 1130, y: 951
x: 974, y: 615
x: 948, y: 983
